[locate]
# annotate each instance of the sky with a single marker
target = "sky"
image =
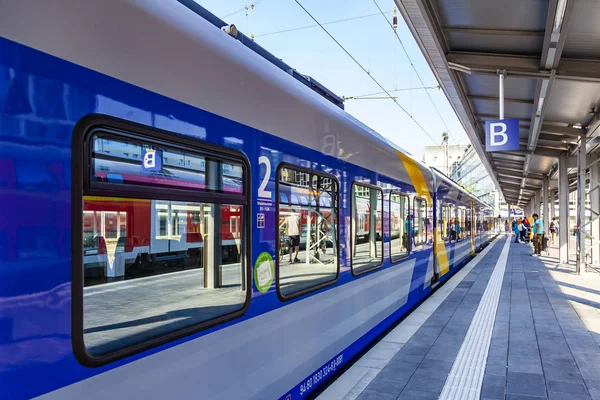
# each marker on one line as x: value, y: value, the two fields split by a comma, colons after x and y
x: 371, y: 41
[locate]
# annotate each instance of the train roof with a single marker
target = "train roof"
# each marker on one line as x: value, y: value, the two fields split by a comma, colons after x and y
x: 167, y: 48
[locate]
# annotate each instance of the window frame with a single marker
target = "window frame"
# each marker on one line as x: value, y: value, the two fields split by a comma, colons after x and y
x: 459, y: 215
x: 374, y: 187
x: 82, y: 185
x: 445, y: 210
x: 413, y: 221
x: 322, y: 285
x: 404, y: 255
x: 452, y: 213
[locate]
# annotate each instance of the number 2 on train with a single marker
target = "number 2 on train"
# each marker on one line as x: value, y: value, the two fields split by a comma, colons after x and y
x: 262, y: 192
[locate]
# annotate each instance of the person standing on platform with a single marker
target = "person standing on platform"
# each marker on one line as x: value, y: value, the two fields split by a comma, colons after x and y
x: 553, y: 229
x: 293, y: 230
x: 538, y: 235
x: 515, y: 228
x: 521, y: 231
x: 527, y: 226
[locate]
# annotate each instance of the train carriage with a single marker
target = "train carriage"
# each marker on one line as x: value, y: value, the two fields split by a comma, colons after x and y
x: 147, y: 159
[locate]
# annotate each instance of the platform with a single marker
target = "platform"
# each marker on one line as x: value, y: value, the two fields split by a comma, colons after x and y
x: 506, y: 326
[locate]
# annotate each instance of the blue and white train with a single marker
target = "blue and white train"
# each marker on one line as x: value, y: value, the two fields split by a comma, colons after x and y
x: 181, y: 218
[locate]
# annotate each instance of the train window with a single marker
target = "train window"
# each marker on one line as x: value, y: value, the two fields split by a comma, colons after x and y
x: 420, y: 221
x: 460, y: 224
x: 468, y: 222
x: 153, y: 265
x: 308, y: 231
x: 444, y: 223
x: 399, y: 226
x: 452, y: 230
x: 367, y: 233
x: 161, y: 167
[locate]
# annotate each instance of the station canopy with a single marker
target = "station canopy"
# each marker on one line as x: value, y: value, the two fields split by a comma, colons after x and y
x: 550, y: 53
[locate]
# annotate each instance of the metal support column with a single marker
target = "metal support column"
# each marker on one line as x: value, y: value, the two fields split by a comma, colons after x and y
x: 501, y: 93
x: 581, y: 167
x: 594, y: 196
x: 563, y: 208
x: 545, y: 209
x: 553, y: 194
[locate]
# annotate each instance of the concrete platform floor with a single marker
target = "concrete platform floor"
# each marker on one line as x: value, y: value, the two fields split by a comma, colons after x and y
x: 507, y: 326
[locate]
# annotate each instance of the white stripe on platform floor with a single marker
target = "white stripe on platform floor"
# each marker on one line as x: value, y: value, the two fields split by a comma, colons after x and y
x: 356, y: 379
x: 466, y: 376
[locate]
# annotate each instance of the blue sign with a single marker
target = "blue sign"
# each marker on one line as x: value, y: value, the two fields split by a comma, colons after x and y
x: 516, y: 213
x: 502, y: 135
x: 151, y: 160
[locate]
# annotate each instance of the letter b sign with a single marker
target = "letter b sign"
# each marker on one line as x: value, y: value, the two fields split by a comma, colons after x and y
x: 151, y: 160
x: 502, y: 135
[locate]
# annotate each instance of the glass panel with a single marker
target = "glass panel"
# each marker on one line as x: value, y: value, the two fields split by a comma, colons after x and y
x: 117, y: 161
x: 452, y: 223
x: 468, y: 222
x: 308, y: 229
x: 367, y: 241
x: 459, y: 222
x: 399, y: 226
x: 445, y: 223
x: 420, y: 225
x: 155, y: 266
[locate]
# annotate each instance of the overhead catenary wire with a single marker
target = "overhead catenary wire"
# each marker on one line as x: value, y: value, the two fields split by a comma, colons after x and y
x: 417, y: 72
x: 368, y: 73
x: 369, y: 95
x: 317, y: 25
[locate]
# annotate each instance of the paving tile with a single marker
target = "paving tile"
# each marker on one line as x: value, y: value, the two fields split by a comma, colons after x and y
x: 496, y: 366
x: 429, y: 383
x: 563, y: 375
x: 374, y: 395
x: 567, y: 396
x: 417, y: 395
x: 436, y: 365
x: 387, y: 386
x: 526, y: 384
x: 524, y: 363
x: 511, y: 396
x: 416, y: 348
x: 595, y: 393
x: 399, y: 375
x: 406, y: 359
x: 566, y: 387
x: 493, y: 386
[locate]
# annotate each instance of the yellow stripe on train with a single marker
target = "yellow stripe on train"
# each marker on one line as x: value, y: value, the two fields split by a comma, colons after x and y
x: 418, y: 181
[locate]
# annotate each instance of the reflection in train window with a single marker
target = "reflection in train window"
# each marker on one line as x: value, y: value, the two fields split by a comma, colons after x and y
x: 308, y: 231
x: 162, y: 167
x: 367, y: 233
x: 399, y: 226
x: 452, y: 222
x: 420, y: 221
x: 444, y: 223
x: 460, y: 223
x: 153, y: 266
x: 171, y: 279
x: 468, y: 222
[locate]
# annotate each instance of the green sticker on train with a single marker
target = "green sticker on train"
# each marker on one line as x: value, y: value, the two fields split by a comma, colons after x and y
x: 264, y: 271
